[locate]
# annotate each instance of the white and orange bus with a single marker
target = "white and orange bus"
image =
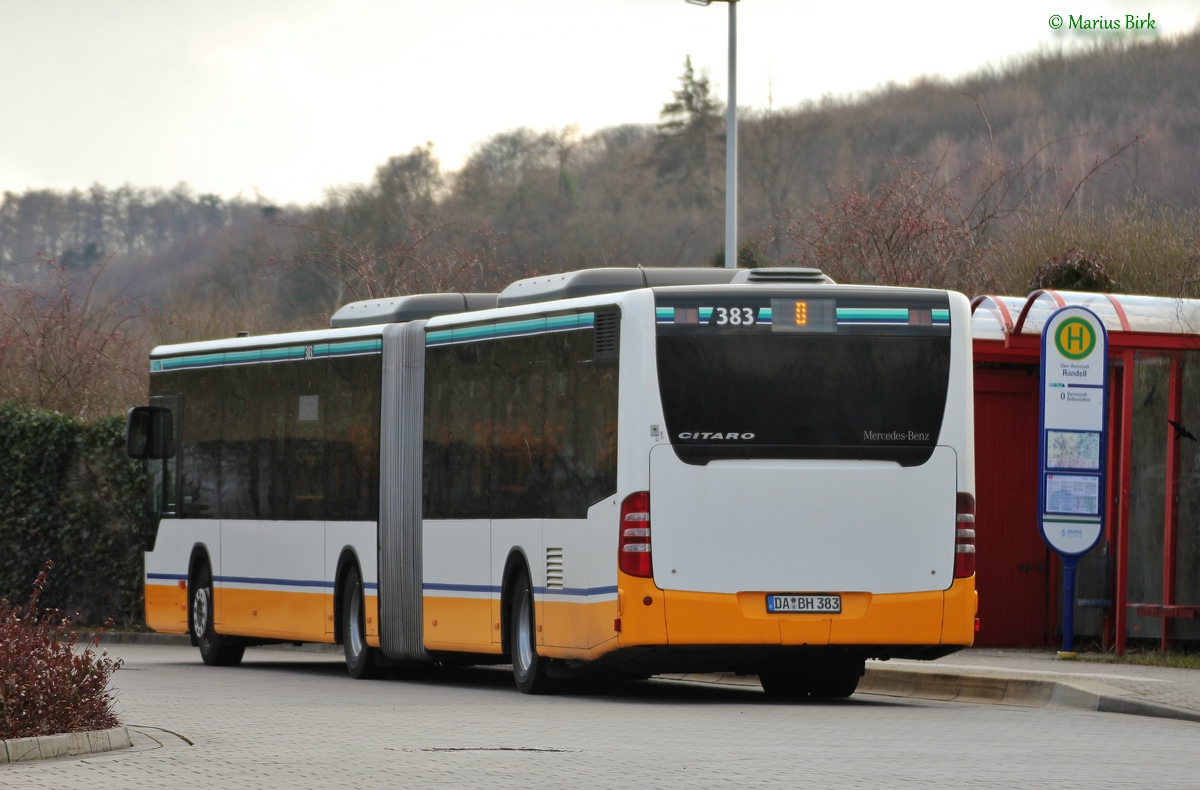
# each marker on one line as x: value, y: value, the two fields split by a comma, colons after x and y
x: 617, y: 472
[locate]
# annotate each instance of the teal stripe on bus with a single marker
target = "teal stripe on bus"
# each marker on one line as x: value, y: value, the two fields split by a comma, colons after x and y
x: 348, y: 347
x: 473, y: 333
x: 273, y: 354
x: 239, y: 357
x: 195, y: 361
x: 501, y: 329
x: 250, y: 356
x: 872, y: 314
x: 528, y: 326
x: 556, y: 323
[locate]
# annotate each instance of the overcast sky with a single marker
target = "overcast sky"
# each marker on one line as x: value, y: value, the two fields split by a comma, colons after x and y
x: 287, y: 98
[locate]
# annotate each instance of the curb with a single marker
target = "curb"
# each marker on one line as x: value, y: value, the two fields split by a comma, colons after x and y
x: 183, y: 640
x: 144, y: 638
x: 1008, y: 690
x: 69, y: 744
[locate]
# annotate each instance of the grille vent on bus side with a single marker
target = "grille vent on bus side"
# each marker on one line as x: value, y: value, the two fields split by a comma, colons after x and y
x: 554, y: 569
x: 608, y: 335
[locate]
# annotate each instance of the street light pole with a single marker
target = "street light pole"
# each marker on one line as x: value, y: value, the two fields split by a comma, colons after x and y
x: 731, y: 146
x: 730, y: 139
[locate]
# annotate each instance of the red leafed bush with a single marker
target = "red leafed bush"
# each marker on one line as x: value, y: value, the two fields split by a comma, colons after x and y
x: 47, y: 685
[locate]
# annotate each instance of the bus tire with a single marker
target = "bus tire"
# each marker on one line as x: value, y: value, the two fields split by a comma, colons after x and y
x: 837, y: 684
x: 782, y: 684
x: 529, y: 669
x: 215, y: 650
x: 361, y: 660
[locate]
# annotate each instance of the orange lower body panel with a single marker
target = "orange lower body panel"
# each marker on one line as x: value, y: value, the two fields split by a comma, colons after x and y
x: 673, y: 617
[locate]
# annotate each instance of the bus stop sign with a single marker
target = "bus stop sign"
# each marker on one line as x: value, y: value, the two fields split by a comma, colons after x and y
x: 1072, y: 444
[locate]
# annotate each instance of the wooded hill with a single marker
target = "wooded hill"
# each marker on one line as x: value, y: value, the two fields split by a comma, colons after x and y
x: 973, y: 184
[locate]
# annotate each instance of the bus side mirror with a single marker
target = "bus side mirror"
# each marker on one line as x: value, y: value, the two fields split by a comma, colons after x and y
x: 148, y: 433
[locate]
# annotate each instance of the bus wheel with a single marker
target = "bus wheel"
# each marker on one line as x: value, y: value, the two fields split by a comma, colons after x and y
x: 360, y: 659
x: 783, y: 684
x: 216, y: 650
x: 837, y: 684
x: 529, y: 669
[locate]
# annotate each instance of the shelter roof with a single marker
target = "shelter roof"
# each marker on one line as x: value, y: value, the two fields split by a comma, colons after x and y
x: 994, y: 317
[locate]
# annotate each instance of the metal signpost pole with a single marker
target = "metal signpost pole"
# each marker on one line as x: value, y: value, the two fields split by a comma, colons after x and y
x: 1072, y: 444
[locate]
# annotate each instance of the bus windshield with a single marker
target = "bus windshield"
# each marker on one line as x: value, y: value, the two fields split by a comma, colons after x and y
x: 804, y: 377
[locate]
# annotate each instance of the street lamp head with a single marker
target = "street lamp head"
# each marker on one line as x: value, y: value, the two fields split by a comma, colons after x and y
x: 700, y: 2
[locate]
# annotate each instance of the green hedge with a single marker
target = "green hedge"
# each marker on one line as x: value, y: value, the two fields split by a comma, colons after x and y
x: 68, y: 493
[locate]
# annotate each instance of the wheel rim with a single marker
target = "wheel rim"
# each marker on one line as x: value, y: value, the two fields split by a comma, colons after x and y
x: 523, y: 649
x: 355, y: 639
x: 200, y: 613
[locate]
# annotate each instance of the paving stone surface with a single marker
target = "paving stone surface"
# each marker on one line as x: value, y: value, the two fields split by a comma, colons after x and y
x: 295, y: 720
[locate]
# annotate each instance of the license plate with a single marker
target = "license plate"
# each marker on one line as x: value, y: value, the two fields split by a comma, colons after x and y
x: 804, y: 604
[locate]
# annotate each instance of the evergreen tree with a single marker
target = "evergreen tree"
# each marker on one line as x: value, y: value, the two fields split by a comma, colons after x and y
x: 690, y: 140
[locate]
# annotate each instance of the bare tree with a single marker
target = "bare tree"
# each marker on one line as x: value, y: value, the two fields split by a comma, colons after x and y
x: 417, y: 255
x: 67, y: 346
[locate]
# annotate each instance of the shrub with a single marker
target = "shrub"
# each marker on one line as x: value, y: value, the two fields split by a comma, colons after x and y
x: 46, y: 686
x: 1075, y: 270
x: 70, y: 493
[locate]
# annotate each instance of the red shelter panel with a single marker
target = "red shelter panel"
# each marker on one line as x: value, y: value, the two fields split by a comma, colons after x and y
x: 1011, y: 560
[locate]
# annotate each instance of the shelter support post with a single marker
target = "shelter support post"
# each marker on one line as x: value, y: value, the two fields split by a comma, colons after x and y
x: 1123, y: 488
x: 1171, y: 511
x: 1111, y: 496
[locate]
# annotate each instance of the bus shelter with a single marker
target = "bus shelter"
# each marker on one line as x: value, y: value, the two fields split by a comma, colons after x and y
x: 1143, y: 580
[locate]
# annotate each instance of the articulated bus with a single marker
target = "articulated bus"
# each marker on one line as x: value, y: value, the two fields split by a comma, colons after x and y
x: 611, y: 472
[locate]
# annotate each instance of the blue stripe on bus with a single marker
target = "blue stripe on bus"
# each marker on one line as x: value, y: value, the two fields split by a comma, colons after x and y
x: 476, y: 588
x: 276, y: 582
x: 252, y: 580
x: 579, y: 591
x: 492, y: 588
x: 487, y: 588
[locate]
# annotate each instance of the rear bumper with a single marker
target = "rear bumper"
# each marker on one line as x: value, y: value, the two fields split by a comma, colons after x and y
x: 753, y: 659
x: 674, y: 631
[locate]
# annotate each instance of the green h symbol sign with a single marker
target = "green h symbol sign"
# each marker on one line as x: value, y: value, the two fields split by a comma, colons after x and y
x: 1075, y: 338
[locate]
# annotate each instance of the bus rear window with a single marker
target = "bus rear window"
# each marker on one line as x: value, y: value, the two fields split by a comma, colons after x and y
x: 865, y: 381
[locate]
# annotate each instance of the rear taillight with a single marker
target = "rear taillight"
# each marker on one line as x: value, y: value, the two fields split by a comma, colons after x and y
x: 633, y: 554
x: 964, y: 540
